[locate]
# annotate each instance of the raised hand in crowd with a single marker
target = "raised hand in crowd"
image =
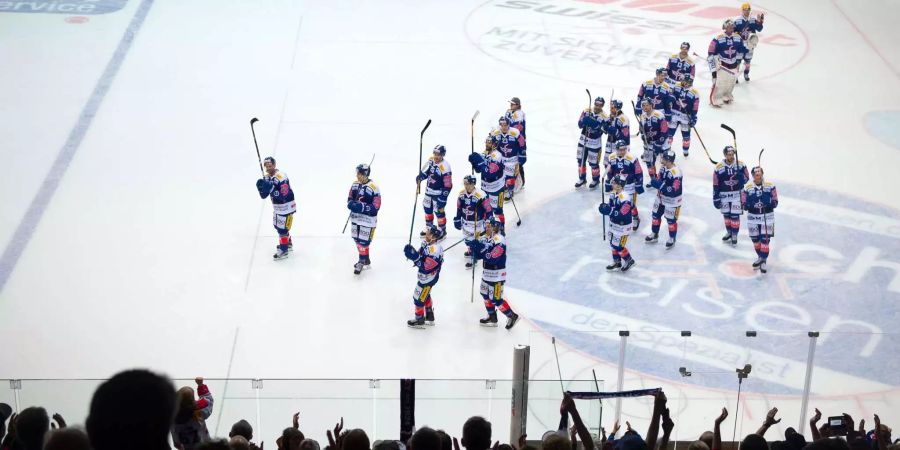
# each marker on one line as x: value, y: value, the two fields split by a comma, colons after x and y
x: 768, y: 422
x: 717, y: 429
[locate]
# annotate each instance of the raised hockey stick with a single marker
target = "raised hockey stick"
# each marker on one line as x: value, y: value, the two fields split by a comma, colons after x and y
x: 733, y: 138
x: 418, y: 187
x: 474, y: 261
x: 258, y: 157
x: 759, y: 158
x: 704, y: 146
x: 558, y: 370
x: 597, y: 387
x: 347, y: 222
x: 472, y: 134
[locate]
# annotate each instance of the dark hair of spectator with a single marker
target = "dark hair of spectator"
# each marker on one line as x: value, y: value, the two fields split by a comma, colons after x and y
x: 242, y: 428
x: 31, y: 425
x: 67, y: 439
x: 754, y: 442
x: 476, y: 433
x: 356, y: 439
x: 425, y: 438
x: 132, y: 411
x: 187, y: 406
x: 291, y: 439
x: 446, y: 440
x: 214, y: 444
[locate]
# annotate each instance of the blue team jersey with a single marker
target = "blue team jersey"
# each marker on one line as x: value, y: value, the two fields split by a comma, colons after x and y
x: 655, y: 127
x: 510, y: 144
x: 368, y: 194
x: 593, y: 124
x: 745, y: 26
x: 670, y: 182
x: 686, y: 100
x: 439, y: 176
x: 620, y: 208
x: 729, y: 48
x: 759, y: 199
x: 659, y: 94
x: 516, y: 120
x: 677, y: 67
x: 430, y: 260
x: 468, y: 206
x: 281, y: 194
x: 491, y: 168
x: 729, y: 177
x: 626, y: 165
x: 492, y: 250
x: 617, y: 129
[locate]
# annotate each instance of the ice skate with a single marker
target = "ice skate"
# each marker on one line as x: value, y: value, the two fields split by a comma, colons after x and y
x: 489, y: 321
x: 280, y: 254
x: 416, y: 323
x: 511, y: 321
x: 628, y: 265
x: 580, y: 183
x: 670, y: 243
x: 615, y: 265
x: 652, y: 238
x: 429, y: 317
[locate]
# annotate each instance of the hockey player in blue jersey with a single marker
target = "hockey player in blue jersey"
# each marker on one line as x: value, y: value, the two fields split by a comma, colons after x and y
x: 747, y: 27
x: 473, y: 207
x: 725, y: 52
x: 363, y: 201
x: 680, y: 64
x: 617, y: 128
x: 729, y: 178
x: 491, y: 250
x: 668, y: 199
x: 511, y: 144
x: 684, y: 112
x: 655, y: 129
x: 437, y: 189
x: 428, y: 259
x: 592, y: 123
x: 618, y: 208
x: 624, y: 164
x: 276, y: 186
x: 760, y: 198
x: 516, y: 118
x: 493, y: 182
x: 658, y: 92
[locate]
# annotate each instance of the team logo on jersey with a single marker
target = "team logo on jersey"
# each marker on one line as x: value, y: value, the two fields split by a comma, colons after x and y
x: 831, y: 271
x: 574, y: 40
x: 80, y: 7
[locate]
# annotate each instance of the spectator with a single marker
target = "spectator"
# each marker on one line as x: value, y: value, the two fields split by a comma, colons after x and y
x: 425, y: 438
x: 238, y: 442
x: 768, y: 422
x: 132, y: 411
x: 386, y: 445
x: 67, y: 439
x: 476, y: 434
x: 717, y: 430
x: 189, y: 429
x: 698, y: 445
x: 213, y: 444
x: 355, y: 439
x: 290, y: 439
x: 5, y: 413
x: 31, y: 426
x: 446, y: 440
x: 754, y: 442
x: 309, y: 444
x: 242, y: 428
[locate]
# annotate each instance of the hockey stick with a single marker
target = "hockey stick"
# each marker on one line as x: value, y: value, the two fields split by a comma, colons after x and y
x: 558, y: 370
x: 347, y: 222
x: 597, y: 387
x: 454, y: 244
x: 472, y: 134
x: 253, y: 121
x: 733, y: 138
x: 474, y: 261
x: 644, y: 139
x: 418, y: 187
x: 518, y: 217
x: 583, y: 161
x: 759, y: 158
x: 704, y: 146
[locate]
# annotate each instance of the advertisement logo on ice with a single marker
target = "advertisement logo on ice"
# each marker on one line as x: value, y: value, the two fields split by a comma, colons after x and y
x: 82, y: 7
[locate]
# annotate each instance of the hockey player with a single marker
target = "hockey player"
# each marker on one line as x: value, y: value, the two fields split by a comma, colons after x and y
x: 511, y: 145
x: 428, y: 259
x: 491, y: 249
x: 725, y: 51
x: 747, y: 27
x: 516, y: 118
x: 729, y: 178
x: 592, y: 123
x: 437, y: 189
x: 658, y: 92
x: 275, y: 185
x: 490, y: 165
x: 668, y: 199
x: 363, y: 201
x: 472, y: 208
x: 655, y: 129
x: 760, y: 198
x: 616, y: 128
x: 620, y: 217
x: 680, y: 64
x: 624, y: 164
x: 684, y: 112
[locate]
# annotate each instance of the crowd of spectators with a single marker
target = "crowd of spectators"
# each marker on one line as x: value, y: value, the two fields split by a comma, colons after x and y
x: 140, y: 410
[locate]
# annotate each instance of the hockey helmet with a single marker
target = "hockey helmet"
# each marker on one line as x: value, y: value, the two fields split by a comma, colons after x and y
x: 436, y: 232
x: 269, y: 159
x: 661, y: 71
x: 621, y: 144
x: 745, y: 6
x: 727, y: 149
x: 687, y: 78
x: 515, y: 101
x: 646, y: 101
x: 363, y: 169
x: 494, y: 222
x: 685, y: 45
x: 668, y: 155
x: 440, y: 149
x: 619, y: 179
x: 616, y: 104
x: 469, y: 179
x: 600, y: 100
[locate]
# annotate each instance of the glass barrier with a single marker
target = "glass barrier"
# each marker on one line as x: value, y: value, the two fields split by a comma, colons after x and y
x: 7, y: 393
x: 69, y: 398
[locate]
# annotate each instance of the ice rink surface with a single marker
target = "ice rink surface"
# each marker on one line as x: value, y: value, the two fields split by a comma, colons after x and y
x: 133, y: 236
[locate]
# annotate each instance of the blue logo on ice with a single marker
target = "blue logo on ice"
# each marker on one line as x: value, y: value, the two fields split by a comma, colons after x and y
x: 830, y: 271
x: 86, y: 7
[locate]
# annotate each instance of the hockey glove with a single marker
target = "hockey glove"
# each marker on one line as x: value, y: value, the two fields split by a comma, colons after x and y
x: 420, y: 177
x: 605, y: 209
x: 410, y: 252
x: 475, y: 159
x: 656, y: 183
x: 693, y: 122
x: 356, y: 207
x: 522, y: 158
x: 264, y: 187
x: 457, y: 223
x: 608, y: 187
x: 638, y: 188
x: 714, y: 74
x: 717, y: 203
